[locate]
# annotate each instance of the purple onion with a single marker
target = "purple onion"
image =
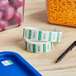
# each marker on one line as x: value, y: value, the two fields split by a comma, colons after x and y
x: 3, y: 24
x: 9, y: 12
x: 4, y: 3
x: 1, y: 14
x: 16, y: 19
x: 16, y: 3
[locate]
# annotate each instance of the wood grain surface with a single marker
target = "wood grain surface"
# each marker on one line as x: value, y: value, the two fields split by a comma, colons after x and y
x: 35, y: 16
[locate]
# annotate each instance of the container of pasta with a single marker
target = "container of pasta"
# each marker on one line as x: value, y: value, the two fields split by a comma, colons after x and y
x: 62, y: 12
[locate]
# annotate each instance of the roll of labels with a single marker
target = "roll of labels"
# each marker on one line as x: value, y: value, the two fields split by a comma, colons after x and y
x: 40, y: 41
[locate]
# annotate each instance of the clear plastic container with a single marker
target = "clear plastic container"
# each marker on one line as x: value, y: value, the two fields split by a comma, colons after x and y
x: 62, y: 12
x: 11, y: 13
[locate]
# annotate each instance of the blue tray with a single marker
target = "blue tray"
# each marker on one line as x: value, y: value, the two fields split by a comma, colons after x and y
x: 12, y: 64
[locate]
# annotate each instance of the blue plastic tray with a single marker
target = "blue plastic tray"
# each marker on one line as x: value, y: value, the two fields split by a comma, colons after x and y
x: 12, y: 64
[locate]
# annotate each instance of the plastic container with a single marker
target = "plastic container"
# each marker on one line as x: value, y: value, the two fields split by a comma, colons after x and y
x: 11, y: 13
x: 12, y: 64
x: 62, y: 12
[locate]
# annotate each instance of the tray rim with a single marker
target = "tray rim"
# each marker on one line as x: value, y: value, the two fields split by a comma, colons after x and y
x: 32, y: 69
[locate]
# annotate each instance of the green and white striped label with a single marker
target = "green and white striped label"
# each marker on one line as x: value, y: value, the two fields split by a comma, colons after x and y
x: 40, y: 35
x: 7, y: 62
x: 39, y: 41
x: 38, y: 47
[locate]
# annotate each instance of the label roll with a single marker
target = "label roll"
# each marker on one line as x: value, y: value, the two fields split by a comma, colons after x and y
x: 40, y: 41
x: 38, y: 47
x: 36, y: 34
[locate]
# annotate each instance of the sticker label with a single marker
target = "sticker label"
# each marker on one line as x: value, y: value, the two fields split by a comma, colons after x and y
x: 7, y: 62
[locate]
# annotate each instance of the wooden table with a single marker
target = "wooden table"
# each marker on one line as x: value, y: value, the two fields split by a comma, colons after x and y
x: 35, y: 16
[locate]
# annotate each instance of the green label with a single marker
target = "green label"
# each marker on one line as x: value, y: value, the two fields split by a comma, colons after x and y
x: 25, y: 45
x: 40, y: 34
x: 50, y: 36
x: 44, y: 48
x: 30, y: 32
x: 58, y: 36
x: 10, y: 61
x: 7, y: 62
x: 34, y: 48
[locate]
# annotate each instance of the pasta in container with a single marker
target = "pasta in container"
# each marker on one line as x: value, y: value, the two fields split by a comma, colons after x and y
x: 62, y: 12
